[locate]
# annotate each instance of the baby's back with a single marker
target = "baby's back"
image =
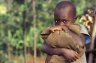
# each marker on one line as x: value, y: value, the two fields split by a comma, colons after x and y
x: 65, y: 39
x: 68, y: 38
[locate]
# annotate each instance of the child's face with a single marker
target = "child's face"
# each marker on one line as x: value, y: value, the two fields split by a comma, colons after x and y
x: 65, y: 17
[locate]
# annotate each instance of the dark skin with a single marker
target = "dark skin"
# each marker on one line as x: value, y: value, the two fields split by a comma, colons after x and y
x: 63, y: 20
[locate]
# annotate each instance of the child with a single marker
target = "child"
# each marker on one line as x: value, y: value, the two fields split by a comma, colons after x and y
x: 65, y: 34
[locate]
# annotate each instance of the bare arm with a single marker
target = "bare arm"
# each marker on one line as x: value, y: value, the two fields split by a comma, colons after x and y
x: 68, y: 54
x: 51, y: 51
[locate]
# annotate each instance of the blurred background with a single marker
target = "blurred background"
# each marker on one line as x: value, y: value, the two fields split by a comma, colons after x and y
x: 21, y: 22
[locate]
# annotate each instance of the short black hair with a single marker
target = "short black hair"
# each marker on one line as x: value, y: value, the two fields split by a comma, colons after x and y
x: 63, y: 5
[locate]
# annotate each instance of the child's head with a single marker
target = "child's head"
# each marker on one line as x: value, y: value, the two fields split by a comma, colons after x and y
x: 65, y: 12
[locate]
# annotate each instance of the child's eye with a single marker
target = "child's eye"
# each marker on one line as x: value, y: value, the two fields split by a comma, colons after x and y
x: 64, y: 20
x: 57, y: 20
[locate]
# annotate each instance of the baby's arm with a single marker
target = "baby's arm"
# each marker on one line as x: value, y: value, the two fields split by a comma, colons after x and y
x: 55, y: 28
x: 49, y: 30
x: 51, y: 51
x: 66, y: 53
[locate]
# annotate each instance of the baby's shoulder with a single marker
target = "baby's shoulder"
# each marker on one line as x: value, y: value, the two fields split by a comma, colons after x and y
x: 75, y: 28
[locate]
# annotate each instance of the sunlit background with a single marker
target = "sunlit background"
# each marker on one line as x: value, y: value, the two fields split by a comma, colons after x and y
x: 21, y: 22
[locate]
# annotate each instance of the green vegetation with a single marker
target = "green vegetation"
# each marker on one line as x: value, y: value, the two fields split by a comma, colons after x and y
x: 17, y: 26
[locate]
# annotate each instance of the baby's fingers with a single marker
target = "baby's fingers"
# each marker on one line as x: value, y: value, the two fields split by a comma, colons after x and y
x: 77, y: 55
x: 55, y: 29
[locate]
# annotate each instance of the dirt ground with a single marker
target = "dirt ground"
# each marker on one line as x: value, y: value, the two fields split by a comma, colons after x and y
x: 29, y: 59
x: 39, y: 60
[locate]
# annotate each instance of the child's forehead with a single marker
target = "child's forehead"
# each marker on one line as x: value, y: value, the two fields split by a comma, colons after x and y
x: 63, y: 13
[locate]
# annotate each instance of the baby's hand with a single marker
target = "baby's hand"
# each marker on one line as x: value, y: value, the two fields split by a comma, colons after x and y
x: 55, y: 28
x: 70, y: 55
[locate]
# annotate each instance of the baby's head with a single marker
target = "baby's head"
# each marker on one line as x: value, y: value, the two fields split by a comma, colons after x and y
x: 64, y: 13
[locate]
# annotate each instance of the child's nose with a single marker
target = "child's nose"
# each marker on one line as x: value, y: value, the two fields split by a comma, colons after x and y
x: 62, y: 23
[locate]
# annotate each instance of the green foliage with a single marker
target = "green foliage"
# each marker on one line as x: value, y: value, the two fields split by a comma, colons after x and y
x: 3, y: 57
x: 12, y: 22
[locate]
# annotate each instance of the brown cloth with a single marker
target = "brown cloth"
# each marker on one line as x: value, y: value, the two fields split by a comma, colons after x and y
x: 68, y: 37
